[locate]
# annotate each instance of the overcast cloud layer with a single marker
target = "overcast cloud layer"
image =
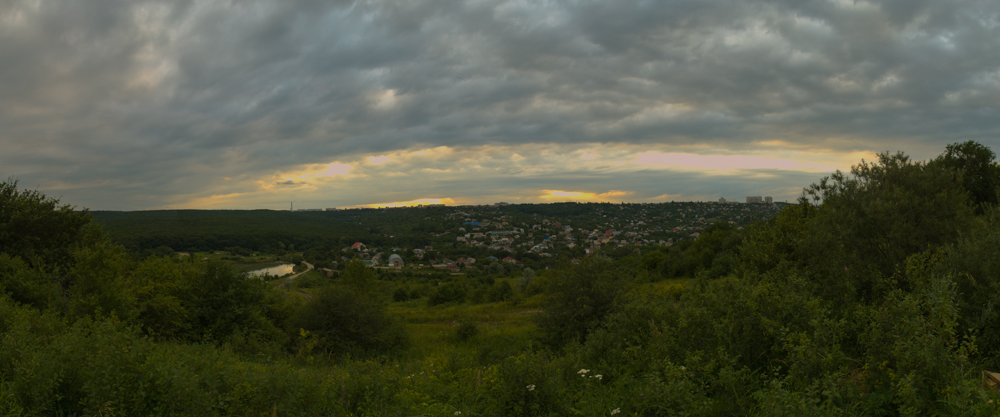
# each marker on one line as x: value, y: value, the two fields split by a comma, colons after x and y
x: 124, y: 105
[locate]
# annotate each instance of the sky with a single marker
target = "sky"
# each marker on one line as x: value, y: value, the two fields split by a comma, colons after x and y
x: 255, y: 104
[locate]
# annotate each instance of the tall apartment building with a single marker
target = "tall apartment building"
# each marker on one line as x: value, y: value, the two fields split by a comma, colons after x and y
x: 756, y: 199
x: 768, y: 200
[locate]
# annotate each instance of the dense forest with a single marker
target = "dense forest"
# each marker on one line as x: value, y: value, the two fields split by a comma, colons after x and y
x: 875, y: 295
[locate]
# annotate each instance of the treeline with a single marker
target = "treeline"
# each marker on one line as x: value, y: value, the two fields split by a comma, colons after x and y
x: 205, y: 230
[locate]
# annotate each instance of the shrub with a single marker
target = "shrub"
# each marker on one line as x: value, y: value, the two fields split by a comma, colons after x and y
x: 501, y: 291
x: 526, y: 277
x: 339, y: 320
x: 449, y: 292
x: 400, y: 294
x: 466, y: 331
x: 579, y: 297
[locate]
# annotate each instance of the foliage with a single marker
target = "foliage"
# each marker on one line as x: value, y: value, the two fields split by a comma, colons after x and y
x: 466, y: 331
x: 338, y: 320
x: 977, y: 167
x: 358, y: 277
x: 876, y: 218
x: 713, y: 253
x: 102, y: 367
x: 449, y: 292
x: 526, y: 277
x: 221, y: 302
x: 27, y: 285
x: 579, y: 297
x: 974, y: 264
x: 36, y: 228
x: 203, y: 230
x: 500, y: 291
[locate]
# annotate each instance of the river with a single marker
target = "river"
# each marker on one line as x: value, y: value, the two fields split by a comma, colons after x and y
x: 279, y: 270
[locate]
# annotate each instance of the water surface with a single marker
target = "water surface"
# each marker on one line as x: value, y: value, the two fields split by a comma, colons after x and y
x: 279, y: 270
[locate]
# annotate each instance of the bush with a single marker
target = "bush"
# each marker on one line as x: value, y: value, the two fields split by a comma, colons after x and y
x: 449, y: 292
x: 400, y: 294
x: 104, y: 368
x: 579, y: 297
x: 500, y: 291
x: 526, y: 278
x: 339, y: 320
x: 26, y: 285
x: 37, y: 229
x: 466, y: 331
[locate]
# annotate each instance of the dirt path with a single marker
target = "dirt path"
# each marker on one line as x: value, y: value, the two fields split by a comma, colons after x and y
x: 288, y: 281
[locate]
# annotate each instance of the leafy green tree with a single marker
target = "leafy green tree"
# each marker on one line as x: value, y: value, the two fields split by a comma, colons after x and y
x: 449, y: 292
x: 360, y: 278
x: 578, y: 298
x: 157, y: 288
x: 339, y: 320
x: 221, y: 302
x: 868, y: 223
x: 974, y: 262
x: 526, y: 277
x: 36, y: 228
x: 500, y: 291
x: 100, y: 277
x: 28, y: 285
x: 976, y: 165
x: 776, y: 241
x: 653, y: 260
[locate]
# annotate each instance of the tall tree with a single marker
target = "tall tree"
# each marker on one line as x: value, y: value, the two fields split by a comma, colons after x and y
x: 877, y: 216
x: 36, y: 228
x: 977, y: 166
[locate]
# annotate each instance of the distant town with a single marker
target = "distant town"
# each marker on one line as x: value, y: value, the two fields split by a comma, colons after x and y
x: 542, y: 233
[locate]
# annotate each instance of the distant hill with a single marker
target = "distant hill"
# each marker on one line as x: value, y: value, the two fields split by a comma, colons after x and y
x: 195, y: 230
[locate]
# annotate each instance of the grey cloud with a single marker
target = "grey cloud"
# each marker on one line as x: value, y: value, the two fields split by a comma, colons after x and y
x: 174, y: 95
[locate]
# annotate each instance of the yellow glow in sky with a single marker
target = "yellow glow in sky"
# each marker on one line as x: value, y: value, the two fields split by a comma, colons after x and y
x: 357, y: 180
x: 561, y: 195
x: 413, y: 203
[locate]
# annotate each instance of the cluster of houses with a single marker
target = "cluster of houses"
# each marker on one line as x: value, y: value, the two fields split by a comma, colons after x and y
x: 602, y: 227
x: 395, y: 261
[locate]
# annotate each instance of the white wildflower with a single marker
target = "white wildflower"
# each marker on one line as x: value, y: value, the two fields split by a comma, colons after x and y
x: 531, y: 387
x: 458, y: 413
x: 583, y: 371
x: 598, y: 376
x: 616, y: 411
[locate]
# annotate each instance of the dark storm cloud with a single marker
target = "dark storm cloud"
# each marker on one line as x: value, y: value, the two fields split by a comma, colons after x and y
x: 118, y: 102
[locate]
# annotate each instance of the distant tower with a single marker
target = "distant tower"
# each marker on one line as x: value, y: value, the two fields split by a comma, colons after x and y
x: 291, y: 206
